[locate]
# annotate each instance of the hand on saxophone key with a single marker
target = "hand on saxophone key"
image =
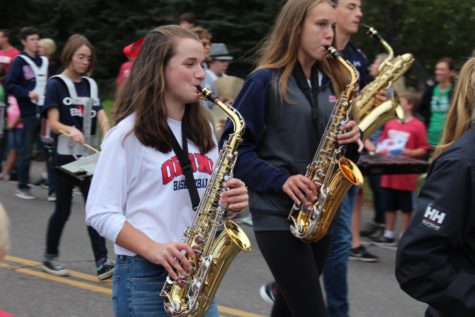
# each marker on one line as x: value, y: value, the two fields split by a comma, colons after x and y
x: 173, y: 257
x: 235, y: 197
x: 350, y: 133
x: 301, y: 189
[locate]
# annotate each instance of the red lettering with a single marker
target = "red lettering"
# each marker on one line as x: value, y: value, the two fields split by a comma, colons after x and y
x: 168, y: 172
x: 192, y: 160
x: 205, y: 165
x: 177, y: 166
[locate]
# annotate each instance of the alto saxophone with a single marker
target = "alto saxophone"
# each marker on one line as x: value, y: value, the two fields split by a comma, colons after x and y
x: 330, y: 169
x: 191, y: 294
x: 369, y: 117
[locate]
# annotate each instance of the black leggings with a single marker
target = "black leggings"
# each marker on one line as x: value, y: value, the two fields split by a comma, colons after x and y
x: 57, y: 221
x: 296, y: 267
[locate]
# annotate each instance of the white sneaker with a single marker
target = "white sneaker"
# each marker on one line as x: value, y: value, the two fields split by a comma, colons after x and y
x: 24, y: 194
x: 52, y: 197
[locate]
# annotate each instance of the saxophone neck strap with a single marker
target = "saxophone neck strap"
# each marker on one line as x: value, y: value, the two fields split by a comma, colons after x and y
x: 183, y: 158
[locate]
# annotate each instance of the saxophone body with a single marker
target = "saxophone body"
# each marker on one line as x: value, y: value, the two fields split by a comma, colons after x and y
x: 368, y: 116
x: 330, y: 169
x: 191, y: 294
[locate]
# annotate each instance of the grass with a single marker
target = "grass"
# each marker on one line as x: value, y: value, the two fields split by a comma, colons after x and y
x: 108, y: 104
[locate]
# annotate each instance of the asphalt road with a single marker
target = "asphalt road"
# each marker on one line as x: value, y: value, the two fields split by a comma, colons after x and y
x: 27, y: 291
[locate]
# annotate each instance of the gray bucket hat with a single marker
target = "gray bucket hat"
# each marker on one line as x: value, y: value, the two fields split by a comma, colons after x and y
x: 219, y: 51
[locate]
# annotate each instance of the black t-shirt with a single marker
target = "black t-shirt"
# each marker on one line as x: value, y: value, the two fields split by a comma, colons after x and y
x: 57, y: 96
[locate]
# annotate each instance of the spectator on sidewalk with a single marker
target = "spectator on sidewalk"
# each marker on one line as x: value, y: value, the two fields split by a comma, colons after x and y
x: 436, y: 100
x: 187, y: 20
x: 7, y: 51
x: 408, y: 138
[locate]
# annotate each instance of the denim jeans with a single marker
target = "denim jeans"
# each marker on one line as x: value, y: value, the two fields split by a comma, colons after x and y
x: 336, y: 267
x: 31, y: 126
x: 136, y: 286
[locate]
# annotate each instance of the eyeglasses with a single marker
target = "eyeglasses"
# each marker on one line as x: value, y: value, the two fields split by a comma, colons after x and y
x: 83, y: 57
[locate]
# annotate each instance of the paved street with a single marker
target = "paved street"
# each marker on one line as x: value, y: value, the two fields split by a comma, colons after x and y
x: 26, y: 291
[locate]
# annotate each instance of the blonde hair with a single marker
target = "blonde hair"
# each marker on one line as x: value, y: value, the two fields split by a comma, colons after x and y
x: 461, y: 114
x: 281, y: 46
x: 4, y: 225
x: 49, y: 45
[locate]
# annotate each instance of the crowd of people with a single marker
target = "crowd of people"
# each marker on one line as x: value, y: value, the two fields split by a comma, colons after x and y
x: 58, y: 112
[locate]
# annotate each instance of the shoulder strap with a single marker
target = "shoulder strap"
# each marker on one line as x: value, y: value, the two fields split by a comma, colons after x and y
x: 93, y: 91
x: 93, y: 87
x: 182, y: 155
x: 43, y: 70
x: 69, y: 84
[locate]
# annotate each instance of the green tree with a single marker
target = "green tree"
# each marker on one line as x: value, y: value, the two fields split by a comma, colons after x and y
x: 429, y: 29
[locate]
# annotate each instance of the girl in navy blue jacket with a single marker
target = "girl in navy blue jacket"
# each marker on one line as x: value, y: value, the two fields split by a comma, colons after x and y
x: 286, y: 103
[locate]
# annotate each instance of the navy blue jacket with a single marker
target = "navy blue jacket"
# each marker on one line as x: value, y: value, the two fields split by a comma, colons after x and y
x: 280, y: 139
x: 436, y: 256
x: 20, y: 81
x: 356, y: 57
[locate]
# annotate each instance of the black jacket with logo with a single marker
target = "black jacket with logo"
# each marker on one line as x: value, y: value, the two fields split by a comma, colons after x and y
x: 436, y: 256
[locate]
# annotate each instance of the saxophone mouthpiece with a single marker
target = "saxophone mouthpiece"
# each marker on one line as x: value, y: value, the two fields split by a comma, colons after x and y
x: 371, y: 31
x: 206, y: 94
x: 333, y: 52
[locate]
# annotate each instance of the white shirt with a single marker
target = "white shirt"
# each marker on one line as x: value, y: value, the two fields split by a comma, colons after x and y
x: 143, y: 186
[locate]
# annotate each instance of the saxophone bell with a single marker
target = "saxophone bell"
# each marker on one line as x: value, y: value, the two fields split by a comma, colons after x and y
x: 329, y: 168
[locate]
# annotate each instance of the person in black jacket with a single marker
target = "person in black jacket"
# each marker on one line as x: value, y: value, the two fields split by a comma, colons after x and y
x: 436, y: 260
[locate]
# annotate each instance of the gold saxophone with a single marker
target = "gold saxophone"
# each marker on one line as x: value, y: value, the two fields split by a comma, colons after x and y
x: 369, y: 117
x: 191, y: 294
x: 330, y: 169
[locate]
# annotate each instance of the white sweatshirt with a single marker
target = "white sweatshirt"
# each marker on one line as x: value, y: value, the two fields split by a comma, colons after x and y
x: 143, y: 186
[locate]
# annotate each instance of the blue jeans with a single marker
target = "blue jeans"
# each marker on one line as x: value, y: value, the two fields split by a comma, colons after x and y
x: 336, y: 267
x: 31, y: 126
x: 136, y: 286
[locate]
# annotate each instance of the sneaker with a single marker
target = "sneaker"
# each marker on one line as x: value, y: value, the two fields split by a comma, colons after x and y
x: 52, y: 197
x: 383, y: 241
x: 105, y: 269
x: 378, y: 233
x: 268, y: 292
x: 24, y: 194
x: 52, y: 266
x: 371, y: 229
x: 361, y: 254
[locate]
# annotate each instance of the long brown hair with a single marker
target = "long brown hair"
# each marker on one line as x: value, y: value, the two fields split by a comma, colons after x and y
x: 461, y: 115
x: 143, y: 94
x: 281, y: 46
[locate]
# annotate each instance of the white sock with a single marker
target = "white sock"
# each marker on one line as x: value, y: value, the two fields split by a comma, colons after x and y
x: 389, y: 234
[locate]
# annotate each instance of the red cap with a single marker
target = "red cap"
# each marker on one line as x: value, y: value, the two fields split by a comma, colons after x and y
x: 132, y: 50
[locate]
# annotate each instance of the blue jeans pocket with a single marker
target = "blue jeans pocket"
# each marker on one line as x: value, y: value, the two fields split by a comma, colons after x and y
x: 146, y: 300
x: 136, y: 286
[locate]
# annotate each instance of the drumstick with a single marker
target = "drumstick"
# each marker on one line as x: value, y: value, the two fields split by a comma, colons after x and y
x: 84, y: 144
